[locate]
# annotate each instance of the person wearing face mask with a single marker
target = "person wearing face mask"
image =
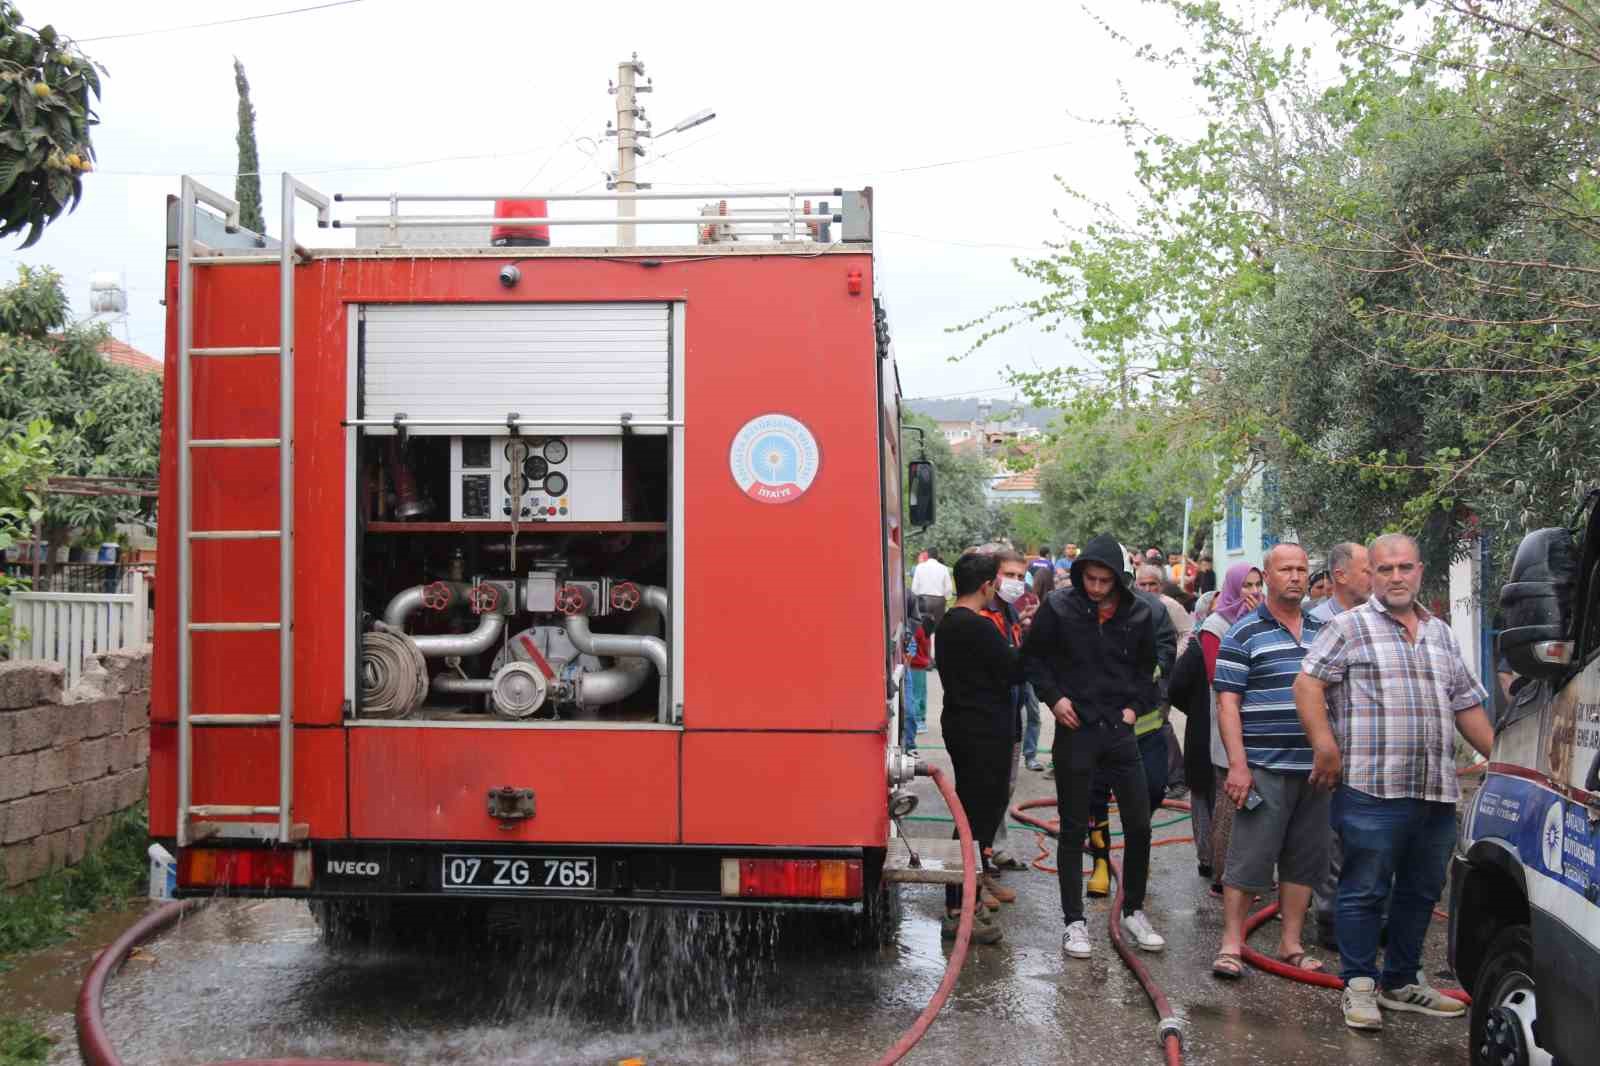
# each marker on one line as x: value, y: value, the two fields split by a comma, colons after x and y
x: 979, y: 669
x: 1011, y: 610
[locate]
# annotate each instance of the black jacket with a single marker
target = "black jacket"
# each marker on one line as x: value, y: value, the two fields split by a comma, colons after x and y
x: 977, y: 668
x: 1190, y: 692
x: 1166, y: 642
x: 1101, y: 668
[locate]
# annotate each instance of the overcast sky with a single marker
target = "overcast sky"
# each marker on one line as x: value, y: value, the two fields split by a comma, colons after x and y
x: 959, y: 116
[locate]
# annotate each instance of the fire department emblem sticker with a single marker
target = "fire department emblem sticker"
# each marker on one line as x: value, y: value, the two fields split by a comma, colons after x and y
x: 774, y: 458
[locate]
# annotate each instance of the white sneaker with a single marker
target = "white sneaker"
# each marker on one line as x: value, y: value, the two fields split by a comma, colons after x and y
x: 1361, y: 1004
x: 1421, y: 998
x: 1137, y: 926
x: 1076, y: 942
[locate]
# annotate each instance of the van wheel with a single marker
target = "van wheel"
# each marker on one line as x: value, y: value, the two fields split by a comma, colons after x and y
x: 1503, y: 1004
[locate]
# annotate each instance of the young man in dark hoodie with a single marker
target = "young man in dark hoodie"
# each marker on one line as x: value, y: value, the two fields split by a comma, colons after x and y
x: 1091, y: 657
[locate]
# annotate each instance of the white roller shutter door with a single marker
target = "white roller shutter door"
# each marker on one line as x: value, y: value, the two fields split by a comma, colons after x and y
x: 544, y: 361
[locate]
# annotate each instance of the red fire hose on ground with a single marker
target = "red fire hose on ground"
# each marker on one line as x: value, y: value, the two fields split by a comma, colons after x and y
x: 1168, y: 1030
x: 95, y: 1046
x: 969, y: 900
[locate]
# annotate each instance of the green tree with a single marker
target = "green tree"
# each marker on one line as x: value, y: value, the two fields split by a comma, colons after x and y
x: 247, y: 186
x: 962, y: 517
x: 25, y: 464
x: 46, y: 88
x: 106, y: 419
x: 1026, y: 526
x: 1126, y: 474
x: 1381, y: 287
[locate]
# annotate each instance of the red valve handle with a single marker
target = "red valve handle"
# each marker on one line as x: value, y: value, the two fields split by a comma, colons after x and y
x: 436, y: 597
x: 626, y: 596
x: 571, y: 600
x: 485, y: 599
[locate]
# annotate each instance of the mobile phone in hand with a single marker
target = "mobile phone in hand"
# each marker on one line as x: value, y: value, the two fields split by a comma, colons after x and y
x: 1253, y: 800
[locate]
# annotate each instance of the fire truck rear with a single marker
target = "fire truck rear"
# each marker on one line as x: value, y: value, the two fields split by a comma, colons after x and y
x: 500, y: 571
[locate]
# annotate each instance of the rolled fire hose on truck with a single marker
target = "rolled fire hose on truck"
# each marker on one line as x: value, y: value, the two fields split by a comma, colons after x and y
x: 94, y: 1045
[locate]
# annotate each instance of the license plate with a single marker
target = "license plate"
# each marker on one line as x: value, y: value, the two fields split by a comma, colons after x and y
x: 517, y: 873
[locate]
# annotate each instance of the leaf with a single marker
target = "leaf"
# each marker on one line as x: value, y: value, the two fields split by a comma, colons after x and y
x: 11, y: 165
x: 60, y: 187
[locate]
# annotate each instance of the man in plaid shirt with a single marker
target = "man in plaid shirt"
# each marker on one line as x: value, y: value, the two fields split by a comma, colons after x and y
x: 1381, y: 694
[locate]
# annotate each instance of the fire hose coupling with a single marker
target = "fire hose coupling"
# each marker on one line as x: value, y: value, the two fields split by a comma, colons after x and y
x: 903, y: 767
x: 625, y: 596
x: 436, y: 597
x: 1169, y: 1027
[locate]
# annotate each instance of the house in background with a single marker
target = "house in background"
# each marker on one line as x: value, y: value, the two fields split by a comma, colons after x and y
x: 1251, y: 522
x: 1014, y: 488
x: 117, y: 353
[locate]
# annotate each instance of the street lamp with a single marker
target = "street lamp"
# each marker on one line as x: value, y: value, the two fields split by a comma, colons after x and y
x: 699, y: 118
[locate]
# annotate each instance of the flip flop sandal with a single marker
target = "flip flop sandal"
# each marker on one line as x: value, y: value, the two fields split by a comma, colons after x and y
x: 1228, y: 966
x: 1302, y: 961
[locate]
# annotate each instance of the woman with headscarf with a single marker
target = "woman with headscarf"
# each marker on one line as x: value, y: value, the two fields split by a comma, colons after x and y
x: 1205, y: 759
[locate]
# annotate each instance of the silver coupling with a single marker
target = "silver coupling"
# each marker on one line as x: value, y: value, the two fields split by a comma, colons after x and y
x: 902, y: 767
x: 1169, y: 1027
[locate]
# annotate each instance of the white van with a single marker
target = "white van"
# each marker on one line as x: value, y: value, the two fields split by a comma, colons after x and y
x: 1524, y: 887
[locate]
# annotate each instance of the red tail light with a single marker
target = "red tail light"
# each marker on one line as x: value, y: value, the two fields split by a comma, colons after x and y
x: 791, y: 878
x: 262, y: 868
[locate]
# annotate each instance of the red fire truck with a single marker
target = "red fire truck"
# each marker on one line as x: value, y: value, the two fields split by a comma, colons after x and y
x: 502, y: 571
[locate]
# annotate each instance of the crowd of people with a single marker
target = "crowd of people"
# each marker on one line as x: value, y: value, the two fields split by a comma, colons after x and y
x: 1318, y: 755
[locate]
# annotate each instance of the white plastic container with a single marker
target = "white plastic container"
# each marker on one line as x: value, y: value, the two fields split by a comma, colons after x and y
x: 163, y: 873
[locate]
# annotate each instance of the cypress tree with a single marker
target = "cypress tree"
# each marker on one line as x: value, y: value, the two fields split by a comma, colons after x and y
x: 247, y: 186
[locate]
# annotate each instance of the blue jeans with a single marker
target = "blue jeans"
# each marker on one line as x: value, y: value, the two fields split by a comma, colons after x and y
x: 916, y: 701
x: 1030, y: 724
x: 1403, y: 841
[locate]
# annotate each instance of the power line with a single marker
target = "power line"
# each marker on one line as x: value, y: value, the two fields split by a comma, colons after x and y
x: 961, y: 395
x: 915, y: 168
x: 324, y: 170
x: 1031, y: 249
x: 218, y: 22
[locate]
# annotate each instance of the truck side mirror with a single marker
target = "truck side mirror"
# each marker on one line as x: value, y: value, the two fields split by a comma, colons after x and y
x: 1536, y: 604
x: 919, y: 496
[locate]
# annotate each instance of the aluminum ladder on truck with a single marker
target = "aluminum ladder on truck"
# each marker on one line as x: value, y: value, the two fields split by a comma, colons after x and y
x: 192, y: 256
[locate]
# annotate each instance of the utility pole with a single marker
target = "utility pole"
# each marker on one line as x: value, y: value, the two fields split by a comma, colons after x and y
x: 628, y: 149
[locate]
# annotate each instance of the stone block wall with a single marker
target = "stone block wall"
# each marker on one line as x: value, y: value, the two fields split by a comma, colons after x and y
x: 69, y: 761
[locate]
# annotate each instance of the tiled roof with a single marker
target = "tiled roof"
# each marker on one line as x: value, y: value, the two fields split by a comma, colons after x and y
x: 127, y: 355
x: 1027, y: 481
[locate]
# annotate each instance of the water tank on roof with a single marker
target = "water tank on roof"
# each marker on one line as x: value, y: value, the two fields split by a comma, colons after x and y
x: 107, y: 294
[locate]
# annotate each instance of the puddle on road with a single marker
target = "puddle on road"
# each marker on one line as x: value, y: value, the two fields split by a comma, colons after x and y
x: 586, y: 985
x: 47, y: 981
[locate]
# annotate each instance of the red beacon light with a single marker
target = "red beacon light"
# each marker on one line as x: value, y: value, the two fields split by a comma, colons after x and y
x: 513, y: 236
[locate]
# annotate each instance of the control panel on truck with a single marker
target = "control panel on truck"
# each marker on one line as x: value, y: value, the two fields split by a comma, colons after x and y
x: 1524, y: 886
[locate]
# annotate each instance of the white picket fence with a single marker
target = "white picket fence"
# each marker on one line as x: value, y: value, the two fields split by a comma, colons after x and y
x: 65, y: 627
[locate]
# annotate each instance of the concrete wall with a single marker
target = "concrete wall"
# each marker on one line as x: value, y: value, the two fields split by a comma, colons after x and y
x: 69, y: 761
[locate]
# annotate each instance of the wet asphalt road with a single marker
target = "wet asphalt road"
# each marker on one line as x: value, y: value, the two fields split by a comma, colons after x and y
x: 252, y: 978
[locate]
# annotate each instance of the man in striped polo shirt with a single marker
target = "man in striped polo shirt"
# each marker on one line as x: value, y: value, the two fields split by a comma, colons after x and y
x: 1282, y: 820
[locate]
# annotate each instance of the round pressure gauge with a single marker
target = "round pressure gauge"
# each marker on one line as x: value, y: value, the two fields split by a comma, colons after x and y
x: 535, y: 468
x: 556, y: 451
x: 516, y: 485
x: 517, y: 450
x: 556, y: 485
